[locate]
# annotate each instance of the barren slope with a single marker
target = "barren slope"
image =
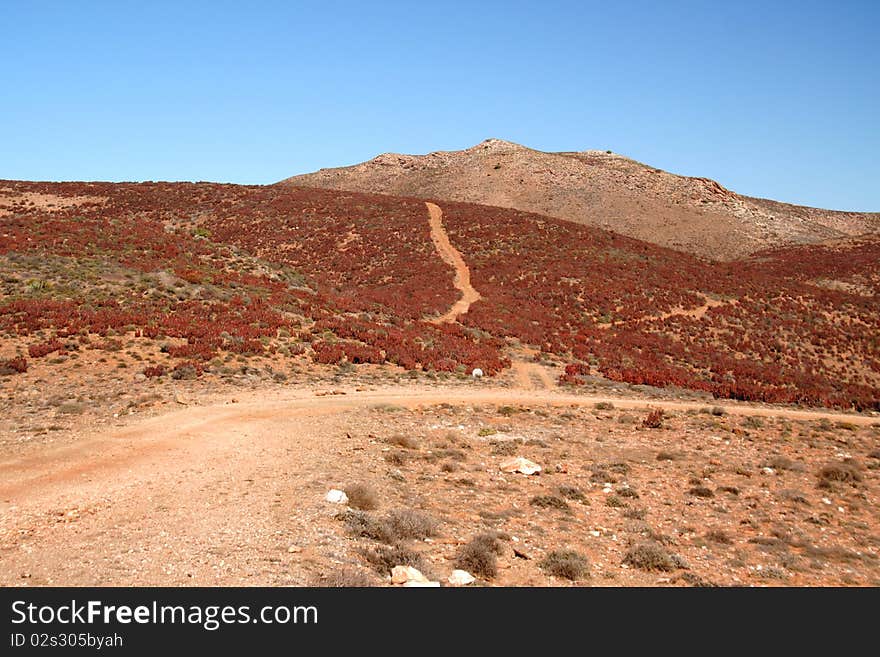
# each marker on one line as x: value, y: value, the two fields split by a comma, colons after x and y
x: 600, y: 189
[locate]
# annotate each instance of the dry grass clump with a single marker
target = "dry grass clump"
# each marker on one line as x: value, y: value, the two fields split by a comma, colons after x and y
x: 549, y: 502
x: 362, y: 496
x: 847, y: 472
x: 397, y: 525
x: 384, y: 558
x: 572, y: 493
x: 718, y: 536
x: 400, y: 440
x: 346, y: 578
x: 654, y: 419
x: 650, y: 557
x: 565, y: 563
x: 479, y: 557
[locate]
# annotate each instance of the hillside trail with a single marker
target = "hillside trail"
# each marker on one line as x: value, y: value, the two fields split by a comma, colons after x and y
x: 450, y: 255
x: 213, y: 494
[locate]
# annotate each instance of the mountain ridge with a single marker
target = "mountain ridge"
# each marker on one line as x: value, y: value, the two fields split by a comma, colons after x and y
x: 599, y: 188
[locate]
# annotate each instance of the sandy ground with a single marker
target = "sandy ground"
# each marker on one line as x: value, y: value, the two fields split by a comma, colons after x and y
x: 233, y: 492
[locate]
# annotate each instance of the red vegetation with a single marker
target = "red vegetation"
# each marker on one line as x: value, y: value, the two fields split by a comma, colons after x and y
x: 45, y: 348
x: 356, y: 275
x: 17, y: 365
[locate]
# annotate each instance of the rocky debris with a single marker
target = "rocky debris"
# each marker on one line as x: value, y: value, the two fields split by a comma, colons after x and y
x: 521, y: 465
x: 336, y: 496
x: 460, y: 578
x: 410, y: 577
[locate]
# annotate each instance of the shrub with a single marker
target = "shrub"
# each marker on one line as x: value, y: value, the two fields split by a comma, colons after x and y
x: 654, y: 419
x: 45, y: 348
x: 362, y: 496
x: 14, y: 366
x: 346, y: 578
x: 718, y: 536
x: 407, y: 442
x: 152, y: 371
x: 603, y: 406
x: 479, y: 556
x: 650, y: 557
x: 701, y: 491
x: 572, y: 493
x: 847, y: 471
x: 384, y: 558
x: 565, y: 563
x: 549, y: 502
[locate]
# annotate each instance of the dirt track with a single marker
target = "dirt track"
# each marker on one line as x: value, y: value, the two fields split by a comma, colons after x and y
x: 452, y: 257
x: 211, y: 494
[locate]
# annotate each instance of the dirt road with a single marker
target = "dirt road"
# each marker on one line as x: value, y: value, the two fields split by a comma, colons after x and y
x: 452, y: 257
x: 216, y: 494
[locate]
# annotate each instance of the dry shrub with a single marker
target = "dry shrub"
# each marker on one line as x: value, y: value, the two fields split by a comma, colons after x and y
x: 346, y: 578
x: 549, y: 502
x: 407, y: 442
x: 565, y: 563
x: 362, y: 496
x: 701, y: 491
x: 572, y: 493
x: 384, y: 558
x: 654, y: 419
x: 410, y: 524
x: 650, y: 557
x: 848, y: 472
x: 479, y: 557
x: 718, y: 536
x: 398, y: 525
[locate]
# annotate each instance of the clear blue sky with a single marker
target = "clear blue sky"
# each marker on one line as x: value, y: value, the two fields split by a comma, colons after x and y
x: 774, y: 99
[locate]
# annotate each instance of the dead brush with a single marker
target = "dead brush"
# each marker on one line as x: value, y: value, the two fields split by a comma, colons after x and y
x: 400, y: 440
x: 362, y: 496
x: 654, y: 419
x: 479, y: 556
x: 566, y: 563
x: 844, y: 472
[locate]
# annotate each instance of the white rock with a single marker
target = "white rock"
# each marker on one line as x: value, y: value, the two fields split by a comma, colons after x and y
x: 768, y: 471
x: 519, y: 464
x: 409, y: 576
x: 477, y: 373
x: 461, y: 578
x: 336, y: 496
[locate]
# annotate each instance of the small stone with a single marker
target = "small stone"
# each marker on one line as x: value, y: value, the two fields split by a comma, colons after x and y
x: 461, y: 578
x: 409, y: 576
x: 294, y: 548
x: 520, y: 464
x: 336, y: 496
x: 140, y: 377
x: 768, y: 471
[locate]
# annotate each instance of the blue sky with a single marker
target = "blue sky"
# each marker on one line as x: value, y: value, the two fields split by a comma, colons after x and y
x: 773, y: 99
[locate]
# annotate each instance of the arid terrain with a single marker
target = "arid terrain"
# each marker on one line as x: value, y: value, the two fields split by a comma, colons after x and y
x: 599, y: 188
x: 187, y: 370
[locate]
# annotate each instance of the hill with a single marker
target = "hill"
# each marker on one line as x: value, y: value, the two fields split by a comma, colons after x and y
x: 601, y: 189
x: 189, y: 280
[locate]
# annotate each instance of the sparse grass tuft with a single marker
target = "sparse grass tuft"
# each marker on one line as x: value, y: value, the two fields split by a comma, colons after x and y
x: 654, y: 420
x: 549, y: 502
x: 565, y: 563
x: 479, y: 556
x: 650, y: 557
x: 384, y: 558
x: 407, y: 442
x: 847, y: 471
x: 362, y: 496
